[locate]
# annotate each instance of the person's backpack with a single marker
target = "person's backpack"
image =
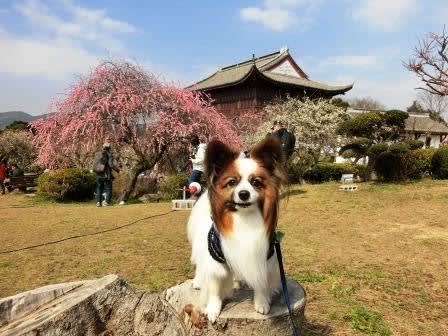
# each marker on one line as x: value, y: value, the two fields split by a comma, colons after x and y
x: 100, y: 166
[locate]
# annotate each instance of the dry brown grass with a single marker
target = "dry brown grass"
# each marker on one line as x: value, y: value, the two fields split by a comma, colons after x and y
x: 375, y: 258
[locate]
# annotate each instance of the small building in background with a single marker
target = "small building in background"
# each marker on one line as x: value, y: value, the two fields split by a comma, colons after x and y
x: 421, y: 127
x: 249, y: 85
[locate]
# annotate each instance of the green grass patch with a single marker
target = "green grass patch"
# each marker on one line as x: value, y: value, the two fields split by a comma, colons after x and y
x: 309, y: 277
x: 367, y: 321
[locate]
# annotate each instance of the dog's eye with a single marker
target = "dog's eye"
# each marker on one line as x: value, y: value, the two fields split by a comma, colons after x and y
x: 257, y: 183
x: 232, y: 183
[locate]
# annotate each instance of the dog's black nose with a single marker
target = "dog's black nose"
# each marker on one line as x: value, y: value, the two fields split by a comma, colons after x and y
x: 244, y: 195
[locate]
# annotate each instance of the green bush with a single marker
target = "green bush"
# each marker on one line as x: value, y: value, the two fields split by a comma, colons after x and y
x: 439, y: 163
x: 378, y: 148
x: 71, y: 184
x: 414, y: 144
x: 389, y: 167
x: 418, y: 162
x: 323, y: 172
x: 297, y: 165
x: 170, y: 185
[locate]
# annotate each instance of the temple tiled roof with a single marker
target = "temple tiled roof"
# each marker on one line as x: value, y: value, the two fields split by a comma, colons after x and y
x: 236, y: 73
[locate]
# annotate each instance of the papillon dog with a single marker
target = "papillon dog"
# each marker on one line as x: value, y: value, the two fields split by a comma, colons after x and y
x: 231, y: 227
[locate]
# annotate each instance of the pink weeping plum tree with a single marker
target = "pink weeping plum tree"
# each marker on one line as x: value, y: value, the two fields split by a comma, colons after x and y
x: 141, y: 117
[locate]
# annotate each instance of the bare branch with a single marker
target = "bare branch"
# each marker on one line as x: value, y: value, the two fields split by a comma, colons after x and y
x: 430, y: 62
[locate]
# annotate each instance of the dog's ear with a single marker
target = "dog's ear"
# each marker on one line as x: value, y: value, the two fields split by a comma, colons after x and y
x: 269, y: 152
x: 217, y: 157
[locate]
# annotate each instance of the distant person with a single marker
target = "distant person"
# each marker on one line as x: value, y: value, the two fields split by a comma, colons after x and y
x: 3, y: 169
x: 197, y: 156
x: 287, y: 138
x: 16, y: 171
x: 103, y: 165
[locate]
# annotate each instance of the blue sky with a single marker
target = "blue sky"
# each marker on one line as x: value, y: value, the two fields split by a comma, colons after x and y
x: 46, y: 43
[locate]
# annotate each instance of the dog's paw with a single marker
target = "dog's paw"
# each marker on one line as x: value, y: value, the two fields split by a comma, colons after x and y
x: 262, y: 306
x: 213, y: 309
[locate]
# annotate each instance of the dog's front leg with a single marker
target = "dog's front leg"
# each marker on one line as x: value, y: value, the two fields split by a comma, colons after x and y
x: 262, y: 300
x: 214, y: 298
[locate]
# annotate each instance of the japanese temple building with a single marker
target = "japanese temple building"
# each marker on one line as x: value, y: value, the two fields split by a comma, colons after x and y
x: 251, y: 84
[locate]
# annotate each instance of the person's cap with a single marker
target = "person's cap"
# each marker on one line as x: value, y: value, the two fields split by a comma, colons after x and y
x: 106, y: 145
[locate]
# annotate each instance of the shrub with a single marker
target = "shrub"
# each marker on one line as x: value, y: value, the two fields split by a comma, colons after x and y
x: 439, y: 163
x: 378, y: 148
x: 399, y: 148
x: 170, y: 185
x: 323, y: 172
x: 389, y: 166
x: 418, y: 162
x: 72, y: 184
x: 414, y: 144
x: 297, y: 165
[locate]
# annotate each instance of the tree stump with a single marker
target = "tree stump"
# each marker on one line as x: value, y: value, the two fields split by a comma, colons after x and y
x: 109, y: 307
x: 238, y: 316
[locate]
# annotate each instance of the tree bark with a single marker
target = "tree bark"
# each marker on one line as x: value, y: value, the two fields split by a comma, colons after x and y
x: 369, y: 169
x: 109, y: 306
x: 132, y: 180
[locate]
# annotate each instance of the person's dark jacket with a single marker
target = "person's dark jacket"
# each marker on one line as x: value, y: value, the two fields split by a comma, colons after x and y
x: 105, y: 158
x: 287, y: 140
x: 16, y: 172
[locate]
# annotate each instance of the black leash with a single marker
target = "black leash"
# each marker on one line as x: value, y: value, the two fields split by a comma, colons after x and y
x: 285, y: 287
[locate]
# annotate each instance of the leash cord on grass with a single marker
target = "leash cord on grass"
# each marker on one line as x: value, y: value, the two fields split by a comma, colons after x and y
x: 85, y: 235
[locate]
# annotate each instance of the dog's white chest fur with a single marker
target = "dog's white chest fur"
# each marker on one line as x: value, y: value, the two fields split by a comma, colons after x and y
x: 246, y: 248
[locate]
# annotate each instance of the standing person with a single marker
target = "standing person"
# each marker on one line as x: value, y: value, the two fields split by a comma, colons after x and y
x: 102, y: 167
x: 287, y: 139
x: 197, y: 156
x: 16, y: 171
x: 2, y: 175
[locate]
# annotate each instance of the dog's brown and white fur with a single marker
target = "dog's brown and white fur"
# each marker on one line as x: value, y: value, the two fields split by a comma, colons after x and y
x: 242, y: 199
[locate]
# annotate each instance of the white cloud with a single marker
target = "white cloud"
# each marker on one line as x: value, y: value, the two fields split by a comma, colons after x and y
x: 279, y: 15
x: 51, y: 59
x: 358, y: 61
x: 273, y: 18
x: 83, y: 24
x: 394, y: 93
x: 386, y: 15
x: 66, y: 39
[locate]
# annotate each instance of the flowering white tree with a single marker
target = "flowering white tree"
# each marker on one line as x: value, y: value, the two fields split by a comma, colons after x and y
x: 17, y: 147
x: 313, y: 122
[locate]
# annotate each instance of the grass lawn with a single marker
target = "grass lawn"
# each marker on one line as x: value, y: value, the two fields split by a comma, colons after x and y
x: 373, y: 261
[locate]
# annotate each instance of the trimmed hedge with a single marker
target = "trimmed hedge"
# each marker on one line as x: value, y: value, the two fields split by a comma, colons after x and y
x: 399, y: 163
x: 389, y: 166
x: 418, y: 162
x: 71, y: 184
x: 439, y: 163
x: 323, y: 172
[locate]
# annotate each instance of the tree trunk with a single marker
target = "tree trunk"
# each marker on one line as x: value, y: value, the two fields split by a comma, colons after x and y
x: 369, y: 169
x: 132, y: 180
x: 109, y: 306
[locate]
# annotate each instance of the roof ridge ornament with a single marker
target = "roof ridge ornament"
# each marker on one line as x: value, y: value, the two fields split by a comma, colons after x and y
x: 284, y: 49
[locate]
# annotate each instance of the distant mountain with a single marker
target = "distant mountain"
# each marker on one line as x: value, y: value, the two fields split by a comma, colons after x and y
x: 7, y: 118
